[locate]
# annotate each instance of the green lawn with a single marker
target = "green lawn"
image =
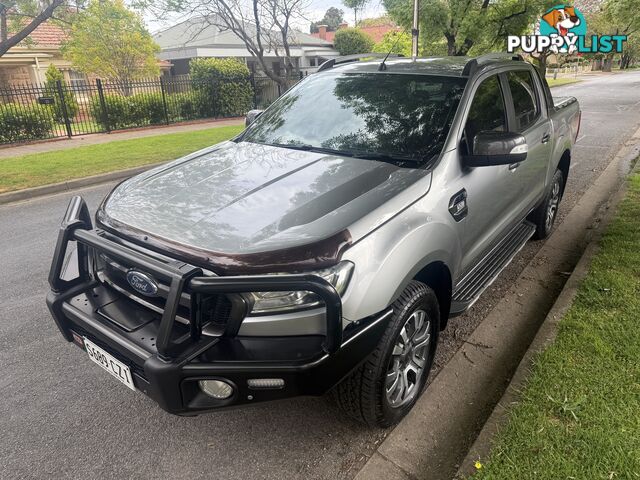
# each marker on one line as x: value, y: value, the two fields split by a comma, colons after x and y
x: 579, y: 414
x: 38, y: 169
x: 562, y: 81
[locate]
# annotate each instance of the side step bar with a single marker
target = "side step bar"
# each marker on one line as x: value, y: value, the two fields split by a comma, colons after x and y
x: 471, y: 286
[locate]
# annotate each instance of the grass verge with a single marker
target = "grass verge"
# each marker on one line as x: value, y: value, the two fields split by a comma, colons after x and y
x: 38, y: 169
x: 556, y: 82
x: 579, y: 414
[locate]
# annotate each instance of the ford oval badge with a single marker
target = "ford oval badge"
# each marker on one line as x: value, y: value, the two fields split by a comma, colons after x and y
x: 142, y: 283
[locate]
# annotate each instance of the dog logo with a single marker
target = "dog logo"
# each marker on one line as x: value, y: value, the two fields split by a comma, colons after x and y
x: 563, y: 29
x: 566, y: 22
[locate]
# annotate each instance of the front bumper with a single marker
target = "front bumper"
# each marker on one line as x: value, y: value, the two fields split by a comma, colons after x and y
x: 168, y: 358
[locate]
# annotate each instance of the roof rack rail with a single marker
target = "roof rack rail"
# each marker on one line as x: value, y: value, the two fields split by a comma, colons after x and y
x: 473, y: 64
x: 352, y: 58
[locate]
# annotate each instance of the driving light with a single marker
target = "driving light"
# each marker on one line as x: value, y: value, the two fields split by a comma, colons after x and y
x: 265, y: 383
x: 216, y: 388
x: 273, y: 302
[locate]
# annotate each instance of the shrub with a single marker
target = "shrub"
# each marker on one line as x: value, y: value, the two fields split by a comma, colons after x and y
x: 187, y: 105
x: 25, y: 122
x: 51, y: 89
x: 225, y: 85
x: 349, y: 41
x: 136, y: 110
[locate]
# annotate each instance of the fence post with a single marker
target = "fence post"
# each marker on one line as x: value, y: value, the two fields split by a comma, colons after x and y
x: 252, y: 79
x: 63, y: 108
x: 164, y: 100
x: 103, y: 106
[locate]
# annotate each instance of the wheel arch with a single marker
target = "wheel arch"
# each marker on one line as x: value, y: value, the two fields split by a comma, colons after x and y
x: 564, y: 164
x: 437, y: 276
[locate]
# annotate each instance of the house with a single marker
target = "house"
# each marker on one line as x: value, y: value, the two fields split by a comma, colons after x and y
x: 197, y: 38
x: 375, y: 32
x: 27, y: 62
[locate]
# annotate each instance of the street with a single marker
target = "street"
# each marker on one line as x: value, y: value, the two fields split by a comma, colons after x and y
x: 63, y: 416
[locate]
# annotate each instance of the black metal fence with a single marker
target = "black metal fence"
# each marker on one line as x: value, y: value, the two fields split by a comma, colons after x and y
x: 52, y: 110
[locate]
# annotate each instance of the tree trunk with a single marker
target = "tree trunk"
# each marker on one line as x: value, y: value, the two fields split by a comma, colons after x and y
x: 451, y: 44
x: 542, y: 64
x: 608, y: 63
x: 3, y: 23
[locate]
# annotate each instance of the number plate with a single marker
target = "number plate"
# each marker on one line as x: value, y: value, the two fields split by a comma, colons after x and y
x: 115, y: 367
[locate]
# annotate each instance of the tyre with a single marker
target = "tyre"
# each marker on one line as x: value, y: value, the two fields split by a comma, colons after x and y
x: 544, y: 216
x: 388, y: 383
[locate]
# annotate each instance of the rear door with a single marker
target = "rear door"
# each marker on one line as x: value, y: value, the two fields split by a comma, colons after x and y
x: 528, y: 117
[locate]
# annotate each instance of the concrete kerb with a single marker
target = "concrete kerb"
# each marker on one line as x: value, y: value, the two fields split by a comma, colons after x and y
x: 545, y: 336
x: 433, y: 440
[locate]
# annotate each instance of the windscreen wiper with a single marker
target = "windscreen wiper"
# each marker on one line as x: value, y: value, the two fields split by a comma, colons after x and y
x: 383, y: 157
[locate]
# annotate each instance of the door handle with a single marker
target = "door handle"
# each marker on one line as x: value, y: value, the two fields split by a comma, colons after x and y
x: 458, y: 205
x: 513, y: 166
x: 546, y: 137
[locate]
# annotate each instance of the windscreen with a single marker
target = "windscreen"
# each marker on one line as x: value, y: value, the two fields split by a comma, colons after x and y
x: 403, y: 116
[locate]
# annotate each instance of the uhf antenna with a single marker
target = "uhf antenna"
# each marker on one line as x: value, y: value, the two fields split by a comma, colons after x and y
x: 382, y: 65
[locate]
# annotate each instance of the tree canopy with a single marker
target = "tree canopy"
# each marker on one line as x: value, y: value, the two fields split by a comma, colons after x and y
x: 395, y: 42
x: 19, y: 18
x: 333, y: 17
x: 356, y: 6
x: 349, y: 41
x: 455, y: 27
x: 110, y: 41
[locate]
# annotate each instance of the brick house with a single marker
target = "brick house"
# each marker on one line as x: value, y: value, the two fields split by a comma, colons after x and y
x: 375, y: 32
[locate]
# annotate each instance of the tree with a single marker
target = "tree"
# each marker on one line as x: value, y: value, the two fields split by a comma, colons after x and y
x: 395, y: 42
x: 333, y: 18
x: 464, y: 24
x: 19, y: 18
x: 109, y: 40
x: 614, y: 19
x: 355, y: 5
x: 264, y: 26
x: 349, y: 41
x: 53, y: 76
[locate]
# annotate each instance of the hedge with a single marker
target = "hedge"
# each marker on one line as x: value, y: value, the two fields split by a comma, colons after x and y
x: 136, y: 110
x: 25, y: 122
x: 350, y: 41
x: 225, y: 84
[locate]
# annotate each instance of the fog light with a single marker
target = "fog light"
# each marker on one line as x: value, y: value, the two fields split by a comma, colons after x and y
x: 216, y: 388
x: 265, y: 383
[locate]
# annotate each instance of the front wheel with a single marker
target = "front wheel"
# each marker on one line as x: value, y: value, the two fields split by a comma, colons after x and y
x: 387, y: 385
x: 544, y: 216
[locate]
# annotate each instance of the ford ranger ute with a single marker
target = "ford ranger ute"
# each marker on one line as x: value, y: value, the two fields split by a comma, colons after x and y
x: 325, y: 247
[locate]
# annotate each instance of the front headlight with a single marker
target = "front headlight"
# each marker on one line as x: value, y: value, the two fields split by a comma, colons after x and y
x: 274, y: 302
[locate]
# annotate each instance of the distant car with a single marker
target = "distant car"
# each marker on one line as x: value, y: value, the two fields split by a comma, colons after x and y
x: 325, y: 247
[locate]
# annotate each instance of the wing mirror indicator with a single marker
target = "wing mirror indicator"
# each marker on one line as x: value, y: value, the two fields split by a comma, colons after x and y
x: 497, y: 148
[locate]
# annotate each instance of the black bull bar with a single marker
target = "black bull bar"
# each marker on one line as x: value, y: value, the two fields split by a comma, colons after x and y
x: 77, y: 226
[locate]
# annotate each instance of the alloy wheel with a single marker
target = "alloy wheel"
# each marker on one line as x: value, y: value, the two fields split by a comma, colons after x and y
x: 408, y: 360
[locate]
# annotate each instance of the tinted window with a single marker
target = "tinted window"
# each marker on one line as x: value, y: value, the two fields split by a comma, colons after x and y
x: 524, y: 99
x: 408, y: 115
x: 487, y: 110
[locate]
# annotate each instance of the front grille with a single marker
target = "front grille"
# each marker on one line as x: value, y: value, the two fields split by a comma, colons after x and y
x: 215, y: 309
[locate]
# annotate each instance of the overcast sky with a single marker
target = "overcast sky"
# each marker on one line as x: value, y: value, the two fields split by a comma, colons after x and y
x: 314, y: 12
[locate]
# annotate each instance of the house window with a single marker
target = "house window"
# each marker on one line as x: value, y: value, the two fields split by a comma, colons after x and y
x: 77, y: 80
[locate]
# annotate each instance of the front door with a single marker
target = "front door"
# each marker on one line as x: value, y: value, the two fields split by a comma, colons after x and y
x: 491, y: 191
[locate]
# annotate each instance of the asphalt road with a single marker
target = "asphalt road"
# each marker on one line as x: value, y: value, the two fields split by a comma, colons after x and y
x: 62, y: 416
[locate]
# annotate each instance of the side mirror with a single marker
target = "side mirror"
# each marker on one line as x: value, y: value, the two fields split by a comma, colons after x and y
x: 251, y: 116
x: 497, y: 148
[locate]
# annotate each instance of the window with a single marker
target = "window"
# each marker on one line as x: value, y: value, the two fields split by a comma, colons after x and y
x: 524, y: 99
x: 406, y: 115
x: 487, y: 111
x: 77, y: 80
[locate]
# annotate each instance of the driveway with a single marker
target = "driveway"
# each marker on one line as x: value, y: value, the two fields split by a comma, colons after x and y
x: 62, y: 416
